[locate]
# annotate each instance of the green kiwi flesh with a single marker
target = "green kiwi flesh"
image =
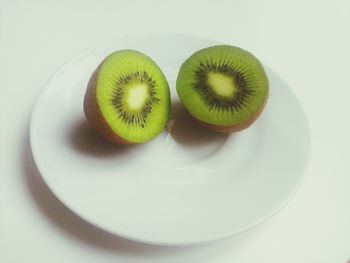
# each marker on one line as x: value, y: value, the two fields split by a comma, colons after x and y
x: 128, y: 98
x: 224, y: 87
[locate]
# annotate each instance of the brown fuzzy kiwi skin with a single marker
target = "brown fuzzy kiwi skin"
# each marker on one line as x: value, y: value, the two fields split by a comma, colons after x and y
x: 94, y: 115
x: 232, y: 128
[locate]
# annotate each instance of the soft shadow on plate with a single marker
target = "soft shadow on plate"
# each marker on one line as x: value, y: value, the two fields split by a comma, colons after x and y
x: 186, y: 131
x: 185, y: 138
x: 86, y: 141
x: 72, y: 225
x: 189, y: 141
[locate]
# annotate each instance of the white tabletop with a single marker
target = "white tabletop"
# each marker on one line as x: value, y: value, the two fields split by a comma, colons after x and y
x: 306, y: 42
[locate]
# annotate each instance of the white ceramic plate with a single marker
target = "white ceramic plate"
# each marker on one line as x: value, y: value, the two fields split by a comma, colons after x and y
x: 184, y: 187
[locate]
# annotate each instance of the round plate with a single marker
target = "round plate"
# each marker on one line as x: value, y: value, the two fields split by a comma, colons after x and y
x: 186, y: 186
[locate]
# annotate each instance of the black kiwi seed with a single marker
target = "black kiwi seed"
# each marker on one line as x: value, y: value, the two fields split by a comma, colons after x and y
x: 140, y: 118
x: 212, y: 99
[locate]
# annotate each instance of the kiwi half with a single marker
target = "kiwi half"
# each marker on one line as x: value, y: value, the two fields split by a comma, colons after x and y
x: 127, y: 99
x: 224, y: 87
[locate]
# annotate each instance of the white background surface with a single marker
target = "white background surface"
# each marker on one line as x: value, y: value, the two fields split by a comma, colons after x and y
x: 306, y: 41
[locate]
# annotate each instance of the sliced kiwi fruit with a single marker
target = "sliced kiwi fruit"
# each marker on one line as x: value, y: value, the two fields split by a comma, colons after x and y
x: 223, y: 87
x: 127, y: 99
